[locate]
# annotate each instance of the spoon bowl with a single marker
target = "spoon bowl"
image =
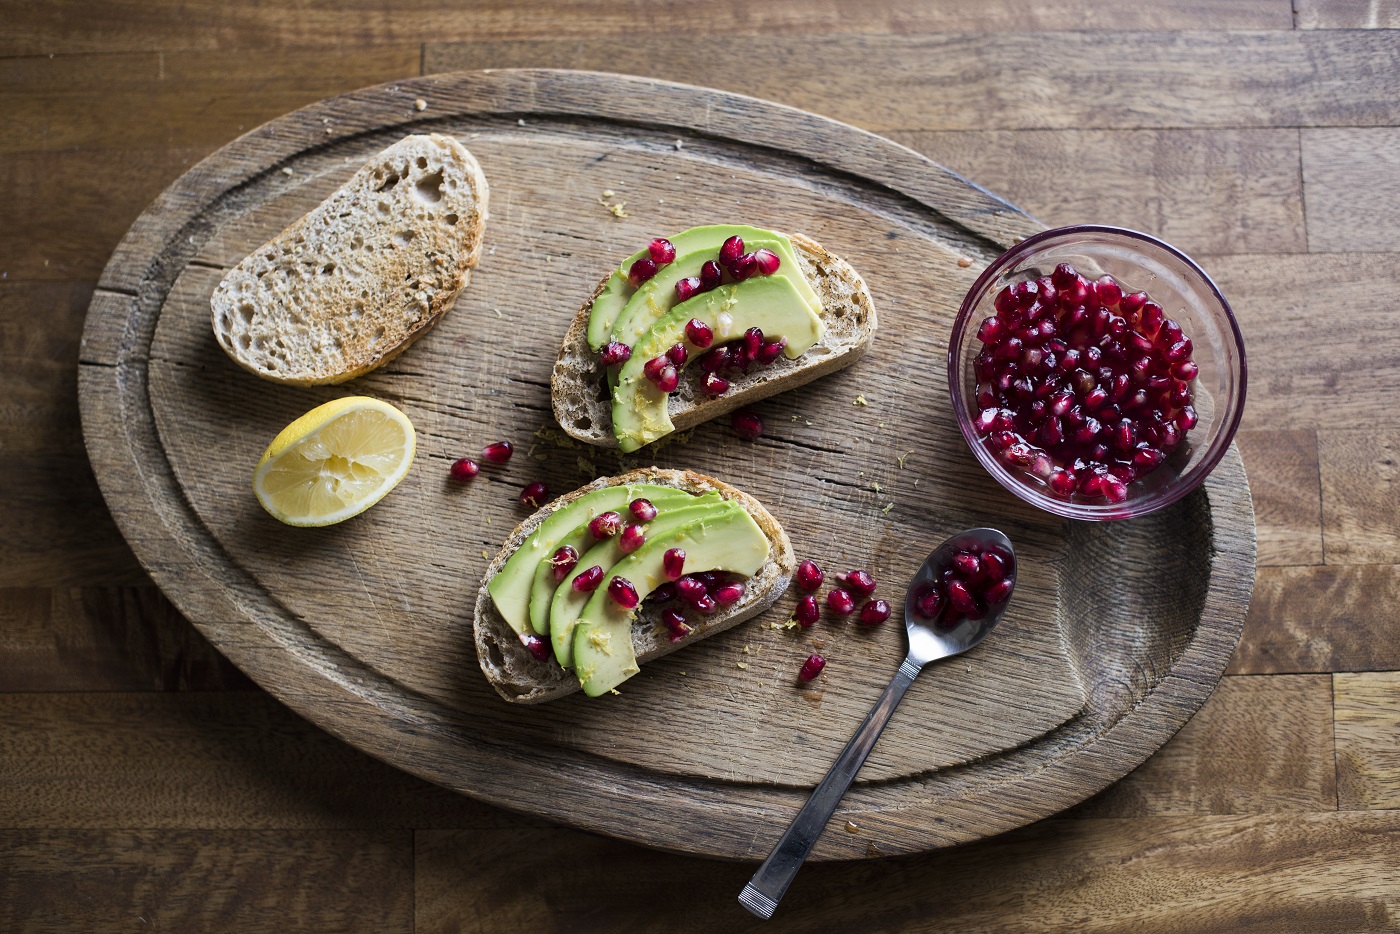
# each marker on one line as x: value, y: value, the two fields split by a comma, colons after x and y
x: 937, y: 628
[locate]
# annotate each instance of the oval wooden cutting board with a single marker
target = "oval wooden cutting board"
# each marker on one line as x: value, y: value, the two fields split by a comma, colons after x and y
x: 1118, y: 633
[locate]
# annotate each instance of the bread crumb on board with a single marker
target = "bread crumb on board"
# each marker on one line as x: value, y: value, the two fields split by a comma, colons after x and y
x: 860, y: 400
x: 420, y: 105
x: 964, y: 262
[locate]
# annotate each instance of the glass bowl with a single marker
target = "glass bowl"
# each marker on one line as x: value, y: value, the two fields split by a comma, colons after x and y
x: 1186, y: 294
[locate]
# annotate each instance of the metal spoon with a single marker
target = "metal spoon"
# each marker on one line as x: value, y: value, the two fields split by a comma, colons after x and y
x: 927, y: 642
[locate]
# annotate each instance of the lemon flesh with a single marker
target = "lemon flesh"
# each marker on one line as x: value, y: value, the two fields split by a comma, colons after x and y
x: 334, y: 462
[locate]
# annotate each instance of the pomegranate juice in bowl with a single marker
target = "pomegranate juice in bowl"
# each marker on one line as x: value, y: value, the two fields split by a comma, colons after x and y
x: 1097, y: 373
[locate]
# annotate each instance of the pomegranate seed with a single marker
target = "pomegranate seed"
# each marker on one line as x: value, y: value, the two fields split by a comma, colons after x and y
x: 615, y: 353
x: 747, y: 424
x: 1132, y: 304
x: 711, y: 275
x: 767, y: 262
x: 1185, y: 370
x: 536, y: 646
x: 676, y: 623
x: 605, y: 526
x: 1145, y: 459
x: 534, y: 495
x: 1186, y: 418
x: 931, y: 603
x: 669, y: 379
x: 875, y: 612
x: 962, y: 600
x: 991, y: 331
x: 753, y: 341
x: 673, y: 564
x: 996, y: 561
x: 632, y: 538
x: 743, y: 267
x: 731, y: 250
x: 463, y: 469
x: 642, y: 509
x: 967, y: 564
x: 1107, y: 292
x: 661, y: 250
x: 1150, y: 318
x: 1064, y: 275
x: 1062, y: 482
x: 998, y: 592
x: 809, y: 575
x: 1114, y: 490
x: 642, y: 270
x: 563, y: 562
x: 690, y: 589
x: 860, y: 583
x: 622, y: 592
x: 713, y: 361
x: 768, y: 351
x: 841, y: 602
x: 666, y: 592
x: 699, y: 333
x: 653, y: 367
x: 807, y: 612
x: 811, y: 668
x: 498, y: 453
x: 1179, y: 352
x: 687, y: 288
x: 678, y: 355
x: 705, y: 604
x: 727, y: 594
x: 710, y: 579
x: 588, y: 581
x: 715, y: 385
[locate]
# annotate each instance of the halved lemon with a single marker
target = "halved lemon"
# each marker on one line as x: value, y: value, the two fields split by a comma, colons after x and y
x: 334, y: 462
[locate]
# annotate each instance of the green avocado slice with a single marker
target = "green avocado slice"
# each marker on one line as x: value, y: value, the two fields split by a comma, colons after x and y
x: 603, y: 653
x: 616, y: 293
x: 568, y: 604
x: 580, y: 539
x: 772, y: 303
x: 510, y: 588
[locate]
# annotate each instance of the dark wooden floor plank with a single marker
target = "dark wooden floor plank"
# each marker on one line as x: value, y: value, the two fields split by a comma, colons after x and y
x: 94, y: 26
x: 1071, y: 80
x: 1188, y: 875
x: 1353, y: 199
x: 1347, y: 14
x: 1360, y: 470
x: 1287, y: 491
x: 1322, y: 619
x: 1368, y: 724
x: 189, y: 880
x: 1206, y: 191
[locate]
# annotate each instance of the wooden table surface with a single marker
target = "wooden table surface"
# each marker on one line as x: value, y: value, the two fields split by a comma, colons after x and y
x: 145, y: 784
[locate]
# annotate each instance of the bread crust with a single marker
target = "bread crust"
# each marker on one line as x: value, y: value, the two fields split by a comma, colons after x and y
x: 353, y: 283
x: 584, y: 411
x: 522, y: 679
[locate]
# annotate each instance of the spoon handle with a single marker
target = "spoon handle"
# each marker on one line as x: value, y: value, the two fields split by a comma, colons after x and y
x: 766, y: 888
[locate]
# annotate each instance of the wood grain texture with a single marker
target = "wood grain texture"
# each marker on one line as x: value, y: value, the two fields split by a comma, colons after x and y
x: 1286, y: 486
x: 1205, y: 191
x: 1360, y: 471
x: 982, y: 82
x: 189, y: 880
x: 1261, y: 874
x: 1346, y: 14
x: 1184, y: 655
x: 1259, y: 745
x: 105, y: 639
x: 1353, y: 200
x: 88, y: 26
x: 1322, y: 619
x: 1339, y: 375
x: 1368, y: 722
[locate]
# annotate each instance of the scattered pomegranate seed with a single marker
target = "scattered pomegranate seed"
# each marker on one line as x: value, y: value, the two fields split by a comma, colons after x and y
x: 662, y: 251
x: 605, y: 525
x: 768, y: 351
x: 711, y: 275
x: 715, y: 385
x: 807, y: 612
x: 498, y: 453
x: 676, y: 623
x: 622, y: 592
x: 743, y: 267
x: 536, y: 646
x: 666, y: 592
x: 841, y: 602
x: 767, y: 261
x: 653, y: 367
x: 705, y: 604
x: 615, y: 353
x: 875, y: 612
x: 588, y: 581
x: 809, y: 575
x: 642, y: 270
x: 669, y: 379
x: 860, y: 583
x: 688, y: 287
x: 534, y: 495
x: 811, y: 668
x: 690, y: 589
x: 725, y: 594
x: 463, y: 469
x: 753, y: 342
x: 731, y: 250
x: 563, y: 561
x: 642, y: 510
x: 678, y: 355
x: 747, y: 424
x: 699, y: 333
x: 632, y: 538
